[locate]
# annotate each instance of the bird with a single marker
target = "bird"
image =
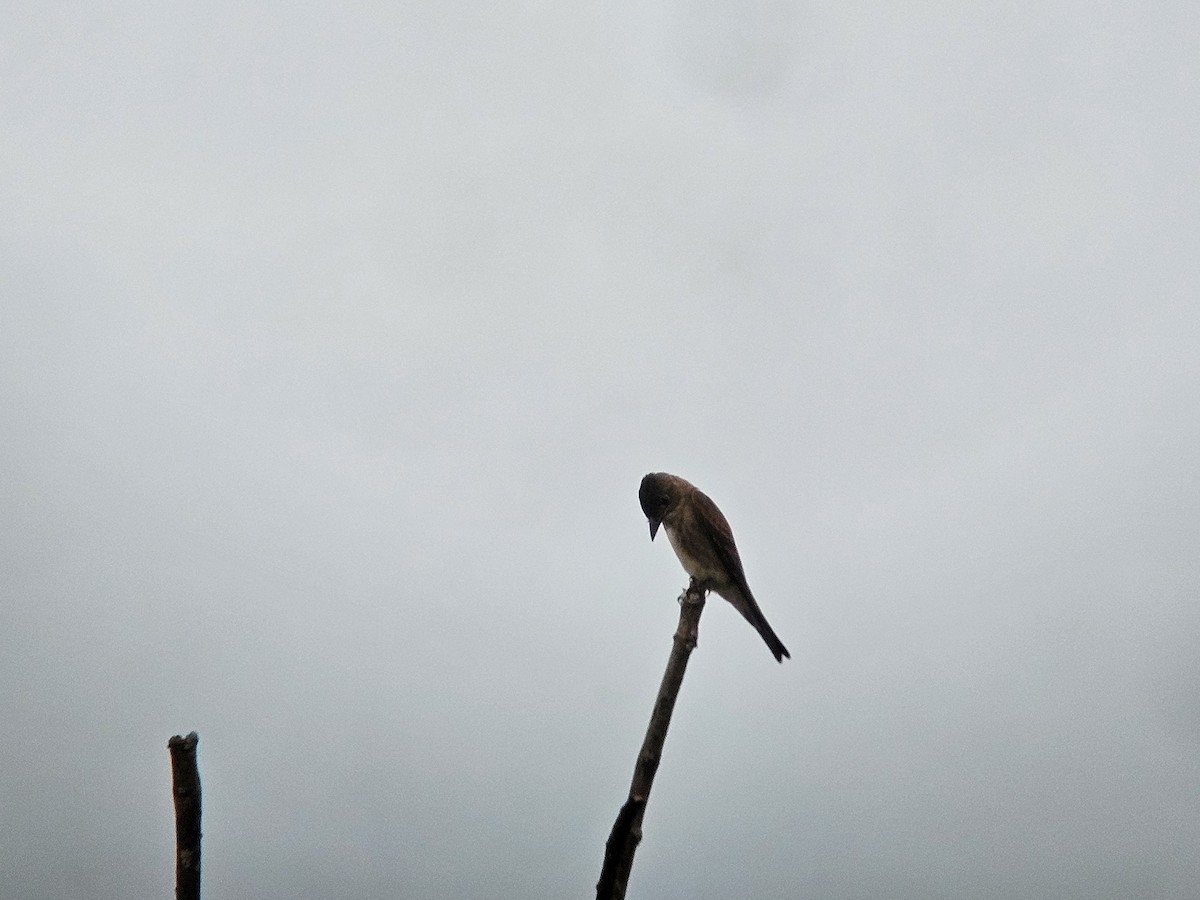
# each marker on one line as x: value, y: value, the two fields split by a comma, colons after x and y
x: 702, y: 539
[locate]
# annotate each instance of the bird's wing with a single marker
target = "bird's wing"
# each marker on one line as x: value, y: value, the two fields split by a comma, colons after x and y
x: 720, y: 538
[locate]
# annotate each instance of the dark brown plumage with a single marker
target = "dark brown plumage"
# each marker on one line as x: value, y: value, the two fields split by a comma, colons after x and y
x: 703, y: 541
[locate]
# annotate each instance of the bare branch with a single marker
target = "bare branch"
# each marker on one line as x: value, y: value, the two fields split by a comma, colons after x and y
x: 627, y: 829
x: 185, y: 778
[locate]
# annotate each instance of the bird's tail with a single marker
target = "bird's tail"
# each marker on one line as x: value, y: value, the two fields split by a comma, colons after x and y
x: 772, y: 639
x: 743, y: 601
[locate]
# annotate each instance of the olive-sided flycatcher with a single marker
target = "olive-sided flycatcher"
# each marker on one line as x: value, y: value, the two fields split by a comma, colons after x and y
x: 703, y: 541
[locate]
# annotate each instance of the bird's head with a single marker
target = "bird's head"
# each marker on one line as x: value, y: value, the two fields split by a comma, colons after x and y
x: 657, y: 494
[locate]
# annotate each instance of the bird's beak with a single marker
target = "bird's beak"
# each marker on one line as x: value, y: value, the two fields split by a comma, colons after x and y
x: 654, y: 523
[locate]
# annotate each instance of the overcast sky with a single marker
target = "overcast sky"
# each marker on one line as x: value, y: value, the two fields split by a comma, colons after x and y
x: 336, y: 338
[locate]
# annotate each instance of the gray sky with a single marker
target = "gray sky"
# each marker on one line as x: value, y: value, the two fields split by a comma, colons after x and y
x: 335, y: 339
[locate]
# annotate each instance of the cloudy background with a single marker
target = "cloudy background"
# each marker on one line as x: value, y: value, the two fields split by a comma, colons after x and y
x: 335, y: 339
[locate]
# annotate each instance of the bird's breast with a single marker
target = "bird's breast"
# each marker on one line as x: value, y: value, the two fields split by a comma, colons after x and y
x: 703, y: 570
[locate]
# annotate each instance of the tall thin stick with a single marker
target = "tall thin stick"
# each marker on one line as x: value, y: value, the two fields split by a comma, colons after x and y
x: 627, y: 829
x: 185, y: 779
